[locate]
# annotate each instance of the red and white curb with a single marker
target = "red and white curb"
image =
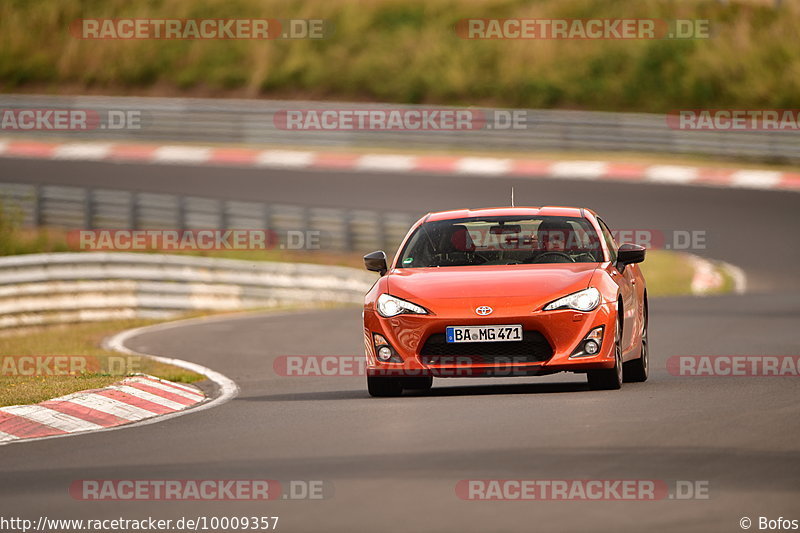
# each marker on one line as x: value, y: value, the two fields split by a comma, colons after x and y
x: 708, y: 277
x: 451, y: 165
x: 133, y: 399
x: 156, y: 400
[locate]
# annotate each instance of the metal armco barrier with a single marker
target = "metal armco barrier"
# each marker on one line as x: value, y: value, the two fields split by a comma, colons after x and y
x: 253, y: 122
x: 39, y: 289
x: 87, y: 208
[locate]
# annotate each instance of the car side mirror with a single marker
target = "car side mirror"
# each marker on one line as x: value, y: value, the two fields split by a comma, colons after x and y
x: 376, y: 262
x: 628, y: 254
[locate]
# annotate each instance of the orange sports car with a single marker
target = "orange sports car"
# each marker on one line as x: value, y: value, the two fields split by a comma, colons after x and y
x: 511, y: 291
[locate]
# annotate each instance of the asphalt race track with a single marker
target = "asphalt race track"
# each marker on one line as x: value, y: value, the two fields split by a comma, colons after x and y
x: 393, y: 464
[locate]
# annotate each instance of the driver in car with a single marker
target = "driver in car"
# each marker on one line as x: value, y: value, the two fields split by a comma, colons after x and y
x: 555, y: 236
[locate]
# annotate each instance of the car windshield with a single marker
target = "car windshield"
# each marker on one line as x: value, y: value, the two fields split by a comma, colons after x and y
x: 502, y: 241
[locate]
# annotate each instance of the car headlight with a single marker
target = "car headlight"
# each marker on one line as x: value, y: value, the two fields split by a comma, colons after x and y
x: 584, y: 300
x: 389, y: 306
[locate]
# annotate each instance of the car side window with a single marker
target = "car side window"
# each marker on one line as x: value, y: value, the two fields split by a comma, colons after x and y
x: 612, y: 246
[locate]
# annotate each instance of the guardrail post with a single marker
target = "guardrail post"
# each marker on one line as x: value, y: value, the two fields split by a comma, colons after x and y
x: 347, y: 233
x: 223, y: 214
x: 266, y: 214
x: 88, y: 210
x: 305, y: 222
x: 133, y: 211
x: 266, y: 226
x: 181, y: 212
x: 38, y: 216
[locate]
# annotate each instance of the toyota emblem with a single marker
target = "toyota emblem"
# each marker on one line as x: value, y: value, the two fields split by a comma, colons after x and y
x: 484, y: 310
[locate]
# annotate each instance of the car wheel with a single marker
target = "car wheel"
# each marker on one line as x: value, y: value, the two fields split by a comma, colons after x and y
x: 422, y: 383
x: 382, y: 387
x: 636, y: 370
x: 609, y: 378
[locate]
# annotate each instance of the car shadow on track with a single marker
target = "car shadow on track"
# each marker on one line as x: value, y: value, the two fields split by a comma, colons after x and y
x: 436, y: 391
x: 505, y: 388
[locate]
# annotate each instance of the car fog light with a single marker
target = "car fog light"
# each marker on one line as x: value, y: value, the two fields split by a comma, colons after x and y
x: 384, y: 353
x: 590, y: 344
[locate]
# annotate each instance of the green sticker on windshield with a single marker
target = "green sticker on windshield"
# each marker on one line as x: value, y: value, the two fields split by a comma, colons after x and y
x: 408, y: 260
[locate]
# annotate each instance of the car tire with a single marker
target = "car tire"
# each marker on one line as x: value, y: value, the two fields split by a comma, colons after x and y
x: 636, y: 371
x: 609, y: 378
x: 383, y: 387
x: 421, y: 383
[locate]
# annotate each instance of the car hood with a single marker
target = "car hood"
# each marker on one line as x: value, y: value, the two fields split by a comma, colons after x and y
x: 534, y: 284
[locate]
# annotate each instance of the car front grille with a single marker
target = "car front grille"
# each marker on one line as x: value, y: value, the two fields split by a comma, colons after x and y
x: 533, y: 348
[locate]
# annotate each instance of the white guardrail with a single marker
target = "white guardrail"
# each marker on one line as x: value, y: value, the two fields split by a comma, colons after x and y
x: 40, y: 289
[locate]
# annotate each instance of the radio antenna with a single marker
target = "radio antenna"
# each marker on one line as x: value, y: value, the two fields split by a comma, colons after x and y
x: 512, y: 196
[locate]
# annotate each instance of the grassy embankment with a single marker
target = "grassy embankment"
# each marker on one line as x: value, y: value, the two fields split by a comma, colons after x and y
x: 407, y: 52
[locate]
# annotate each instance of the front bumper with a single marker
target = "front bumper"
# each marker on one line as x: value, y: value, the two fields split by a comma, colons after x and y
x: 563, y: 331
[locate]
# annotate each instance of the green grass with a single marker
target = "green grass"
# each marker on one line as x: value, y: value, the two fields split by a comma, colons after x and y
x: 406, y: 51
x: 82, y: 343
x: 14, y: 240
x: 670, y: 273
x: 667, y: 273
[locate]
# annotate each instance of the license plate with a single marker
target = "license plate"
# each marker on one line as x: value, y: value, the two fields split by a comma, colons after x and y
x: 484, y: 333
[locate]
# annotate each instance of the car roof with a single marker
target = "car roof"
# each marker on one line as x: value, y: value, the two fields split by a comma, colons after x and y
x: 552, y: 211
